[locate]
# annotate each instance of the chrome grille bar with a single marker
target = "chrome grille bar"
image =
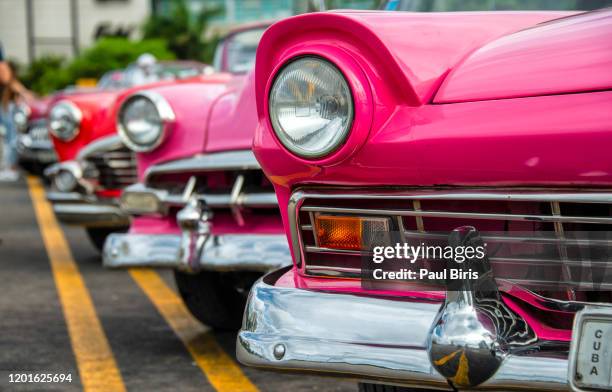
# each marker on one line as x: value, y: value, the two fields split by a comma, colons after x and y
x: 463, y: 215
x: 551, y: 209
x: 114, y: 164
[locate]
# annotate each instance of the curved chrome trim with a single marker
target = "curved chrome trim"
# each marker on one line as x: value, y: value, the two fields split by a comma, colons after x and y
x: 76, y: 169
x: 562, y: 195
x: 164, y: 110
x: 295, y: 202
x: 71, y: 166
x: 229, y: 252
x: 230, y: 160
x: 76, y: 114
x: 104, y: 144
x: 382, y: 339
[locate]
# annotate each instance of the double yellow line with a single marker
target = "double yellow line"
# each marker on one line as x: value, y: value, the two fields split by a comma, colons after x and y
x: 97, y: 365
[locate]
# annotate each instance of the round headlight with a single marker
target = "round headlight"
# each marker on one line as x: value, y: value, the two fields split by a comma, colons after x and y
x: 65, y: 120
x: 21, y: 114
x: 65, y: 181
x: 142, y: 120
x: 311, y: 107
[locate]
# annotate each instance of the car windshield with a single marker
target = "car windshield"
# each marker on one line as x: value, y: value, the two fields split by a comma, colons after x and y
x: 135, y: 75
x: 240, y: 49
x: 492, y: 5
x: 111, y: 80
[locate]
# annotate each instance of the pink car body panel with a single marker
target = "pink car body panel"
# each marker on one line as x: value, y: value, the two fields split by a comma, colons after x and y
x: 401, y: 138
x: 224, y: 131
x: 570, y: 55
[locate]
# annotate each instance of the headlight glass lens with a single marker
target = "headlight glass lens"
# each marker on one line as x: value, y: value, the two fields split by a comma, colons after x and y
x: 20, y: 117
x: 65, y: 181
x: 142, y: 123
x: 64, y: 121
x: 311, y: 107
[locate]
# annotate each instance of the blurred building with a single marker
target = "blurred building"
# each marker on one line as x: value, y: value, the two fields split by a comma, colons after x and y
x: 31, y: 28
x: 235, y: 12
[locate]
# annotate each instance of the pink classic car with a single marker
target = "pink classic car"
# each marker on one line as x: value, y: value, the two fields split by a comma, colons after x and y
x: 203, y: 205
x: 471, y: 129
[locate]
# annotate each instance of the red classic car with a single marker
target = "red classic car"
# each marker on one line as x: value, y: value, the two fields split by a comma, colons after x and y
x: 94, y: 165
x: 489, y: 130
x: 203, y: 205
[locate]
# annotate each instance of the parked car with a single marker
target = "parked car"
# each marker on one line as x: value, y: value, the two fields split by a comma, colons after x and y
x: 438, y: 127
x: 94, y: 165
x: 202, y: 205
x: 34, y: 145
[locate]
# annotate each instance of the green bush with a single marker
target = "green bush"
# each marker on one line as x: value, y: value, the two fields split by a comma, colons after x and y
x: 49, y: 73
x: 114, y: 53
x: 46, y: 74
x: 184, y: 31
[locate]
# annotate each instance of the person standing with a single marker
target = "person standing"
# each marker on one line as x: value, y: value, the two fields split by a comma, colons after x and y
x: 11, y: 90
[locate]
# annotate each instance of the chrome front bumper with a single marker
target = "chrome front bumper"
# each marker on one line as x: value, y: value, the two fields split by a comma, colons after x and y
x: 252, y: 252
x: 77, y: 209
x: 33, y: 153
x: 378, y: 339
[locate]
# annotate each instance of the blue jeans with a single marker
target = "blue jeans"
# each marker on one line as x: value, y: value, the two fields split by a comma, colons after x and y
x: 9, y: 155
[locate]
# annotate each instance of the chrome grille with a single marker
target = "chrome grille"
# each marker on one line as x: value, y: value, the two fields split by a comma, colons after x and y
x: 230, y: 182
x: 114, y: 169
x: 534, y: 229
x: 39, y: 133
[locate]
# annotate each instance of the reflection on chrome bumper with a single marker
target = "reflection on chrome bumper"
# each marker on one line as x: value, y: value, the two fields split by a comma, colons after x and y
x: 373, y: 338
x: 252, y: 252
x: 27, y: 154
x: 76, y: 209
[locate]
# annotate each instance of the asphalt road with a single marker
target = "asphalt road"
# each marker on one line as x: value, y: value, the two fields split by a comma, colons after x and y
x: 119, y: 330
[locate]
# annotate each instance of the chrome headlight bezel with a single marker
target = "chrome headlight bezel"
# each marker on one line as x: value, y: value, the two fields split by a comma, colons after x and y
x: 57, y: 122
x: 21, y: 116
x: 164, y: 111
x: 283, y: 134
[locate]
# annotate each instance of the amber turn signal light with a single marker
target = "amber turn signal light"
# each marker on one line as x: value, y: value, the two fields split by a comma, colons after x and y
x: 350, y: 232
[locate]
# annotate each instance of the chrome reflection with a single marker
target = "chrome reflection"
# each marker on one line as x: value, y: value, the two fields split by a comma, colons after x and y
x: 383, y: 339
x: 475, y: 329
x: 230, y: 252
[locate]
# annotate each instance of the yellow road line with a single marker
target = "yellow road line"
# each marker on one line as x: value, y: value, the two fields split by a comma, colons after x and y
x: 222, y: 372
x: 97, y: 367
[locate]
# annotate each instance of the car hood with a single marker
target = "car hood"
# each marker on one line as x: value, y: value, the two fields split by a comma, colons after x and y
x: 412, y: 51
x: 567, y: 55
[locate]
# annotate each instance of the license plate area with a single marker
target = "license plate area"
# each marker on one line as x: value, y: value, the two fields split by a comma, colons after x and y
x: 590, y: 367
